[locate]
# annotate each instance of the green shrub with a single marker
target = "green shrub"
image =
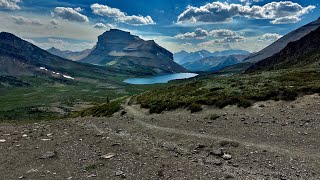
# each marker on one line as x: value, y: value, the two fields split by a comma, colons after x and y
x: 214, y: 117
x: 289, y: 95
x: 104, y: 110
x: 157, y: 109
x: 244, y: 103
x: 195, y: 108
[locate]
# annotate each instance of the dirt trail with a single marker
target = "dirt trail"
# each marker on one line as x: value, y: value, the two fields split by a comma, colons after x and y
x: 139, y: 116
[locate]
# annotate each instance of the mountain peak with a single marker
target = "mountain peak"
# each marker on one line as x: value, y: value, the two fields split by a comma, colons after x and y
x: 7, y: 35
x: 53, y: 49
x: 121, y: 49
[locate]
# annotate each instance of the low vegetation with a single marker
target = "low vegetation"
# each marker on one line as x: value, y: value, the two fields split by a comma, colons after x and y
x: 241, y: 90
x: 103, y: 110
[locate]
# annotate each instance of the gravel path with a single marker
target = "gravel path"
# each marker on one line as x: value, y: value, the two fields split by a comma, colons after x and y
x: 271, y: 140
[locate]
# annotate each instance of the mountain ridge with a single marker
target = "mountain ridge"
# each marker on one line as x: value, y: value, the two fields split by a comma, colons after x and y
x: 71, y: 55
x: 281, y: 43
x: 184, y: 57
x: 300, y: 53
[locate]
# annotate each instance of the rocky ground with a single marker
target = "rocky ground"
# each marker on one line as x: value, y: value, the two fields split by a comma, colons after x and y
x: 271, y: 140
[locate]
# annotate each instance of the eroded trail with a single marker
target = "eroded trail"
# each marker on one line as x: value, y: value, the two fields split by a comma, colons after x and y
x: 140, y: 118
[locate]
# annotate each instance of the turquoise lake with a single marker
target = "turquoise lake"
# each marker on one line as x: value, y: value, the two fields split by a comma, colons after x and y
x: 160, y: 79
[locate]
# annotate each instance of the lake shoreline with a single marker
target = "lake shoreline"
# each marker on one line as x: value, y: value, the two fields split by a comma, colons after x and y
x: 160, y: 79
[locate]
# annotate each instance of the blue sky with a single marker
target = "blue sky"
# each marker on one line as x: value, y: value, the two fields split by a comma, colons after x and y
x: 175, y: 24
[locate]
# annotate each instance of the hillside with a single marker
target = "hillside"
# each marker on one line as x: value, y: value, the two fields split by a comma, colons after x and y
x: 303, y: 52
x: 283, y: 42
x: 75, y: 56
x: 120, y: 49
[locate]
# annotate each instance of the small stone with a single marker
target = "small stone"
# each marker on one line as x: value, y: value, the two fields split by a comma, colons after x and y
x: 216, y: 152
x: 24, y: 135
x: 32, y: 171
x: 2, y: 140
x: 21, y: 177
x: 92, y: 175
x: 99, y: 135
x: 108, y: 156
x: 48, y: 155
x: 121, y: 173
x: 227, y: 157
x: 235, y: 165
x: 116, y: 144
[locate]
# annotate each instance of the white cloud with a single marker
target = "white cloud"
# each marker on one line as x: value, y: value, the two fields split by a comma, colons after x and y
x: 10, y: 4
x: 20, y: 20
x: 201, y: 34
x: 217, y: 12
x: 197, y: 34
x: 249, y: 2
x: 118, y: 15
x: 54, y: 22
x: 270, y: 37
x: 79, y: 9
x: 70, y: 14
x: 223, y: 33
x: 103, y: 26
x: 286, y: 20
x: 230, y: 39
x: 61, y: 44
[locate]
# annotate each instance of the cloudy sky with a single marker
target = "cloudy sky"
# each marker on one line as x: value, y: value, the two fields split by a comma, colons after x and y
x: 189, y: 25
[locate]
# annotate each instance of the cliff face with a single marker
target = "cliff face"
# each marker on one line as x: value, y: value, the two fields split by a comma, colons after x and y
x: 120, y: 49
x: 303, y: 52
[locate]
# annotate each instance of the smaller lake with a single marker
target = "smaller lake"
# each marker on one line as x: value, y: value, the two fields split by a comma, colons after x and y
x: 160, y: 79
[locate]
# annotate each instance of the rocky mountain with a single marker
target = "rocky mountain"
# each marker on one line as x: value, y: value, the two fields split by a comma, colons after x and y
x: 283, y: 42
x: 184, y: 57
x: 229, y: 61
x: 214, y: 63
x: 21, y: 58
x: 303, y: 52
x: 122, y: 50
x: 75, y: 56
x: 190, y: 57
x: 204, y: 64
x: 179, y: 56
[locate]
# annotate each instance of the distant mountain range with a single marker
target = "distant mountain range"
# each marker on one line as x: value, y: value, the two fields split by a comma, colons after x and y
x: 121, y: 50
x: 301, y: 53
x: 75, y: 56
x: 213, y: 63
x: 283, y: 42
x: 184, y: 57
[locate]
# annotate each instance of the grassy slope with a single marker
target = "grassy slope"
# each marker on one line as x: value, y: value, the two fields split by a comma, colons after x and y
x: 241, y: 90
x: 45, y: 98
